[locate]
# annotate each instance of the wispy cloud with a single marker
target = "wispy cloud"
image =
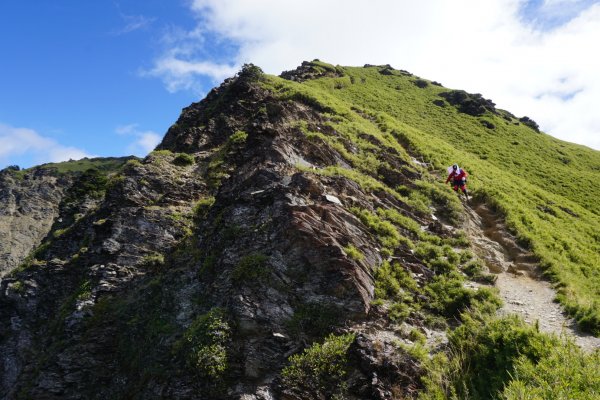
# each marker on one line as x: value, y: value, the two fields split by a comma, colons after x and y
x: 180, y: 74
x: 131, y: 22
x: 27, y: 143
x: 481, y: 46
x: 145, y: 141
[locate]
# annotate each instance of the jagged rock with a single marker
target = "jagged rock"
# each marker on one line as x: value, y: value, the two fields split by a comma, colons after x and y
x: 468, y: 103
x: 28, y: 208
x: 421, y: 83
x: 487, y: 124
x: 530, y: 123
x: 311, y: 70
x: 198, y: 279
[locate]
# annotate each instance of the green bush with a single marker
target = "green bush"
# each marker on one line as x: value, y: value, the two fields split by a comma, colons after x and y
x: 92, y: 182
x: 320, y: 369
x: 239, y: 137
x: 250, y: 268
x: 183, y: 159
x: 18, y: 287
x: 202, y: 206
x: 251, y: 73
x: 475, y: 270
x: 203, y: 344
x: 398, y: 312
x: 427, y: 251
x: 566, y: 373
x: 491, y: 348
x: 386, y: 232
x: 153, y: 261
x: 449, y: 297
x: 354, y: 253
x: 393, y: 282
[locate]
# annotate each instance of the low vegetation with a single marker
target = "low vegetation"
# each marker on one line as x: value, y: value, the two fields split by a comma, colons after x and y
x: 203, y: 344
x: 505, y: 358
x: 320, y: 369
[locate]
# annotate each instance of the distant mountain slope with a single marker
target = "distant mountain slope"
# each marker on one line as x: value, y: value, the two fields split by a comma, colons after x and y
x: 292, y: 238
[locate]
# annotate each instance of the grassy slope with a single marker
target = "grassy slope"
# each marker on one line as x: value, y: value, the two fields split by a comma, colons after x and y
x: 537, y: 181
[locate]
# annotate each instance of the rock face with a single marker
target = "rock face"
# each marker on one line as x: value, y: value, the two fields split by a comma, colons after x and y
x: 28, y: 208
x: 312, y: 70
x: 203, y: 267
x: 469, y: 103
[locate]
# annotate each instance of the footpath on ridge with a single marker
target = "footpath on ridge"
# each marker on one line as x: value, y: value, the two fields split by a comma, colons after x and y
x: 519, y: 278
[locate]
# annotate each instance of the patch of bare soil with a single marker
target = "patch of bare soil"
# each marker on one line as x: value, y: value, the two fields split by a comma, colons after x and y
x: 519, y: 279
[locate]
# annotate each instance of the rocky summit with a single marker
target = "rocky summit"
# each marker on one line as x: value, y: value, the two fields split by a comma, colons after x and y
x: 292, y: 238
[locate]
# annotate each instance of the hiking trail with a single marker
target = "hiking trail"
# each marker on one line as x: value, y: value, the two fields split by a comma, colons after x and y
x: 519, y: 278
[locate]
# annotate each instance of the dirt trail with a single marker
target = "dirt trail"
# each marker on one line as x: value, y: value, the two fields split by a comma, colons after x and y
x: 519, y: 279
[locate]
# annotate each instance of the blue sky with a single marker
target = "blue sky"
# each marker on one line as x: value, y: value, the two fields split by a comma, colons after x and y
x: 72, y: 72
x: 107, y: 78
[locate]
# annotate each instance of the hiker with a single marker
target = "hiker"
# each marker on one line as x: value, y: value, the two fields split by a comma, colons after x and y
x: 459, y: 179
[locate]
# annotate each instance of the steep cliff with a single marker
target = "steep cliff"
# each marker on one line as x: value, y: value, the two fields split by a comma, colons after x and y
x: 30, y: 203
x: 281, y: 242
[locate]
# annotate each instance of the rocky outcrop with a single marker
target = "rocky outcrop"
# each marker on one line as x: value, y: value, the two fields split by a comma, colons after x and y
x: 203, y: 267
x: 312, y: 70
x: 469, y: 103
x: 29, y: 205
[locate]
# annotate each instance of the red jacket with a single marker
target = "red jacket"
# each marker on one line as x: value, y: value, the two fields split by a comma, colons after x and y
x: 462, y: 174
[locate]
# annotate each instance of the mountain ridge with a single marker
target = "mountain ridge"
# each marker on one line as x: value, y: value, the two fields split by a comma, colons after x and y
x: 290, y: 238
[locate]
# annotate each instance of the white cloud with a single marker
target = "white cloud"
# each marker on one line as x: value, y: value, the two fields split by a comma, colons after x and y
x: 178, y: 74
x: 480, y: 46
x: 145, y: 141
x: 24, y: 142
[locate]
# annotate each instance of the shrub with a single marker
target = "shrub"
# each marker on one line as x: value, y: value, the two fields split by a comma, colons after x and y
x: 18, y: 287
x: 491, y: 348
x: 399, y: 312
x: 387, y: 233
x: 239, y: 137
x: 203, y: 344
x: 202, y: 207
x: 393, y: 282
x: 320, y: 369
x: 153, y: 260
x: 183, y: 159
x: 251, y: 73
x: 420, y: 83
x: 91, y: 182
x: 427, y: 251
x: 567, y: 373
x: 475, y: 270
x: 250, y: 268
x: 417, y: 336
x: 354, y: 253
x: 448, y: 296
x: 134, y: 162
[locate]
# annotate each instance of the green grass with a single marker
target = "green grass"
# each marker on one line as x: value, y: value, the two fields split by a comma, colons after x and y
x: 505, y: 358
x: 353, y: 252
x: 546, y: 188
